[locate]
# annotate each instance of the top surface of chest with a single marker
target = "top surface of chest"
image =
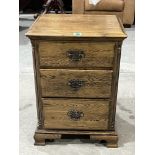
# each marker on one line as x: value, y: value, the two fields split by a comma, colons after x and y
x: 77, y: 26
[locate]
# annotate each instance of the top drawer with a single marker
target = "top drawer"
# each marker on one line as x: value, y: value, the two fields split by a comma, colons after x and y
x: 73, y: 55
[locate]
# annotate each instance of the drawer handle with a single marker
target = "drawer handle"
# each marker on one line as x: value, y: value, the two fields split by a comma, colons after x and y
x: 75, y: 54
x: 75, y: 115
x: 76, y: 84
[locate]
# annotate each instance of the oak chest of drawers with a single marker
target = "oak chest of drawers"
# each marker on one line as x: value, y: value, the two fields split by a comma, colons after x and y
x: 76, y: 66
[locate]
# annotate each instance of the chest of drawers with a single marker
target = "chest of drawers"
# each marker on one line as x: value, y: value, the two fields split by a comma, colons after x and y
x: 76, y: 67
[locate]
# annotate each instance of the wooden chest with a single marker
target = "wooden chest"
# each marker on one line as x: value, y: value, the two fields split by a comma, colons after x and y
x: 76, y: 66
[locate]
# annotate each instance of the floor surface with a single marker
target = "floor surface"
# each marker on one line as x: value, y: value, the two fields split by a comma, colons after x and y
x: 125, y: 116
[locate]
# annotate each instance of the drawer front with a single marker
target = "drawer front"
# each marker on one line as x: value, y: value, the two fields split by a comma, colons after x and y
x: 83, y: 114
x: 76, y: 83
x: 72, y: 55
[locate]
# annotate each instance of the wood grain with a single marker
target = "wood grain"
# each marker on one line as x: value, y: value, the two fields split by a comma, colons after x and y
x: 76, y: 97
x: 37, y: 82
x: 55, y: 83
x: 95, y: 114
x: 110, y: 137
x: 55, y: 54
x: 114, y: 89
x: 66, y: 25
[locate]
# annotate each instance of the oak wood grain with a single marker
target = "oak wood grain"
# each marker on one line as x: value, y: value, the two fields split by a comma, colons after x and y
x: 95, y: 114
x: 76, y: 93
x: 110, y: 137
x: 96, y: 83
x: 56, y: 54
x: 67, y: 25
x: 37, y: 82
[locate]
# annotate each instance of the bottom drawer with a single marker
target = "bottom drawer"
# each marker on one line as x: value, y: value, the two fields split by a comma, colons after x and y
x: 82, y: 114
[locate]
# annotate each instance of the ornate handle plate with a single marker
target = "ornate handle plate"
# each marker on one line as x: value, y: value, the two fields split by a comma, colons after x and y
x: 76, y: 84
x: 75, y: 115
x: 75, y: 54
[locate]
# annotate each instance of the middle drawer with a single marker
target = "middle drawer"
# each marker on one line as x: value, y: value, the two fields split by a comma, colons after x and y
x: 76, y: 83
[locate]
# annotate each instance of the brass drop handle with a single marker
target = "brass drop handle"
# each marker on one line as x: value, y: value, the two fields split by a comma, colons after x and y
x: 75, y: 114
x: 76, y: 84
x: 75, y: 54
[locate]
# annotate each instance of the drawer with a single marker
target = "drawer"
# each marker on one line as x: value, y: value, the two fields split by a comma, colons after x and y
x: 76, y: 83
x: 71, y: 55
x: 82, y: 114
